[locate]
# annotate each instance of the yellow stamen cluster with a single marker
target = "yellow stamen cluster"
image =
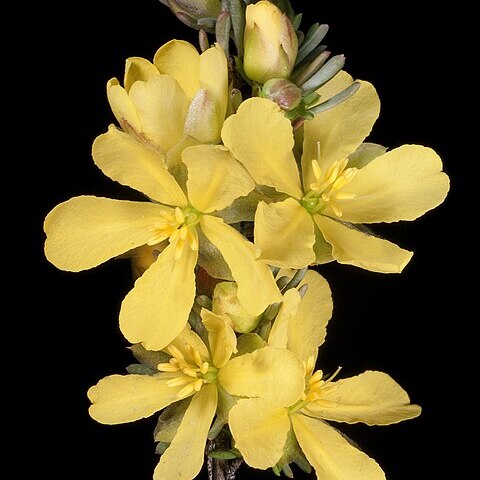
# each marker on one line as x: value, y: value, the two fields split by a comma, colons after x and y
x: 315, y: 389
x: 190, y: 370
x: 328, y: 185
x: 179, y: 227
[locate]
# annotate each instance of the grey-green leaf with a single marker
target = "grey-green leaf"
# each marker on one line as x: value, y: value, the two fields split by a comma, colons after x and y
x: 364, y: 154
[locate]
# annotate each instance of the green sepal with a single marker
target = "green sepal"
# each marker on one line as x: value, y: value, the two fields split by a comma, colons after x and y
x: 169, y: 421
x: 140, y: 369
x: 364, y: 154
x: 148, y: 357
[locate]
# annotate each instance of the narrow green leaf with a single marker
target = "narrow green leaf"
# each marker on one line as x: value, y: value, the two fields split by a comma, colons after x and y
x: 306, y: 71
x: 314, y: 36
x: 161, y: 447
x: 325, y: 74
x: 297, y: 21
x: 203, y: 40
x: 222, y: 454
x: 237, y: 14
x: 336, y: 99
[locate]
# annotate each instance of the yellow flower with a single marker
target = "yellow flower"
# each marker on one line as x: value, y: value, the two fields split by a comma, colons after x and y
x: 260, y: 429
x: 316, y: 223
x: 87, y: 231
x: 271, y: 43
x: 179, y: 100
x: 200, y: 373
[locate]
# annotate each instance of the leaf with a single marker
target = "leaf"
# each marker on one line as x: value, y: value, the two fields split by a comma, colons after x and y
x: 140, y: 369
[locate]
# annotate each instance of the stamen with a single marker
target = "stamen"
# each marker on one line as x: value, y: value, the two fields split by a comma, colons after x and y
x: 190, y: 372
x: 167, y: 367
x: 198, y: 384
x: 179, y: 215
x: 317, y: 171
x: 175, y: 352
x: 178, y: 381
x: 316, y: 377
x: 204, y: 368
x: 187, y: 391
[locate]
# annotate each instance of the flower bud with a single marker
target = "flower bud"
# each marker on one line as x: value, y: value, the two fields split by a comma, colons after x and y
x: 225, y: 302
x: 283, y: 92
x: 196, y: 9
x: 271, y: 44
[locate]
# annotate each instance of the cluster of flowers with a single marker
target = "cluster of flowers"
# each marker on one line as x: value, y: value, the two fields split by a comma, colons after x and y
x: 225, y: 317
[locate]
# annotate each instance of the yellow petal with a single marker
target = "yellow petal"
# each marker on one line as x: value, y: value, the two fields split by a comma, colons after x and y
x: 138, y: 69
x: 157, y: 308
x: 256, y: 286
x: 180, y: 60
x: 307, y: 328
x: 278, y: 336
x: 183, y: 459
x: 402, y: 184
x: 162, y: 107
x: 126, y: 398
x: 122, y: 107
x: 215, y: 178
x: 274, y: 374
x: 284, y: 234
x: 354, y: 247
x: 260, y: 431
x: 330, y: 454
x: 84, y: 232
x: 213, y: 74
x: 373, y: 398
x: 124, y: 159
x: 189, y: 337
x: 342, y: 129
x: 221, y: 337
x: 261, y: 137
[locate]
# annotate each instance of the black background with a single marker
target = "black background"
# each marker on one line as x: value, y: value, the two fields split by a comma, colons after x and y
x: 408, y: 325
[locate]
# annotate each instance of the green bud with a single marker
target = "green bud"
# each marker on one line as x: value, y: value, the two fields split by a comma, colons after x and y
x: 283, y: 92
x: 195, y: 13
x: 225, y: 302
x: 270, y: 42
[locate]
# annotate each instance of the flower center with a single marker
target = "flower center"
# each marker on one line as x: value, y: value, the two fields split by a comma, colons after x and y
x: 315, y: 389
x: 327, y: 189
x: 189, y: 371
x: 178, y: 226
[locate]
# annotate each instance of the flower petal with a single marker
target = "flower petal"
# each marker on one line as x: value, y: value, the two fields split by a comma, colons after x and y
x: 162, y: 107
x: 183, y: 459
x: 353, y: 247
x: 340, y: 130
x: 157, y: 308
x: 84, y: 232
x: 332, y: 456
x: 180, y: 60
x: 274, y: 374
x: 373, y: 398
x: 138, y: 69
x: 126, y: 398
x: 256, y: 286
x: 402, y: 184
x: 213, y: 75
x: 284, y: 234
x: 278, y: 336
x: 215, y: 178
x: 307, y: 328
x: 122, y: 106
x: 221, y: 337
x: 260, y: 136
x: 260, y: 431
x: 124, y: 159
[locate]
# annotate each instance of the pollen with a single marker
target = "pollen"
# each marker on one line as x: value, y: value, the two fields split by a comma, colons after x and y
x: 190, y: 370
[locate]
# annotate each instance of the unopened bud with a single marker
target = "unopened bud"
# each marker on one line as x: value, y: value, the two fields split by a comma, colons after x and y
x: 271, y: 44
x: 195, y: 9
x: 225, y: 302
x: 283, y: 92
